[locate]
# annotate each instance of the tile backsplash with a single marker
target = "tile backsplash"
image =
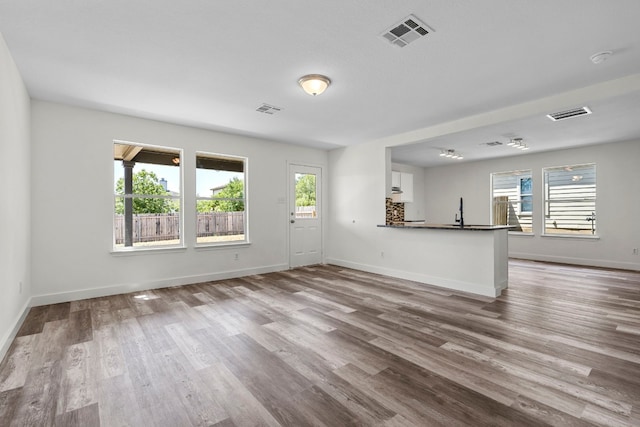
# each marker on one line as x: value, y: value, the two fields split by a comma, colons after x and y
x: 394, y: 212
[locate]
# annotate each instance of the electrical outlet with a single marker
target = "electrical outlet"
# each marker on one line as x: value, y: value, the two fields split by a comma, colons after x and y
x: 381, y: 254
x: 236, y: 257
x: 635, y: 251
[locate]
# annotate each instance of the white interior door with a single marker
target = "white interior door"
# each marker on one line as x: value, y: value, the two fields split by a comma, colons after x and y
x: 305, y: 218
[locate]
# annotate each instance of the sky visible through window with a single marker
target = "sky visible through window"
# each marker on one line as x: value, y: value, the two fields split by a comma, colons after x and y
x: 205, y: 179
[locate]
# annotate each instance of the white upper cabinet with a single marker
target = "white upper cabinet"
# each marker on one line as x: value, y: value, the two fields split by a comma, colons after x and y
x: 404, y: 181
x: 395, y: 179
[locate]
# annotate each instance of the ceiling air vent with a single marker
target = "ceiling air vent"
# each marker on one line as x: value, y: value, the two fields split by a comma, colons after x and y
x: 268, y: 109
x: 582, y: 111
x: 406, y: 31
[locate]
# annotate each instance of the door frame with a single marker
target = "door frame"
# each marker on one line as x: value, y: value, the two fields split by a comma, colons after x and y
x: 320, y: 209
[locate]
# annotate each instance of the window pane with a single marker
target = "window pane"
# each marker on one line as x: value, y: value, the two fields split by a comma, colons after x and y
x: 220, y: 199
x: 215, y: 227
x: 147, y: 195
x: 149, y: 179
x: 148, y: 228
x: 570, y: 200
x: 525, y: 185
x: 306, y: 196
x: 512, y: 200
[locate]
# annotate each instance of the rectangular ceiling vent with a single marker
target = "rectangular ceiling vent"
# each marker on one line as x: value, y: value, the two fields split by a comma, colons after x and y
x: 406, y: 31
x: 268, y: 109
x: 492, y: 143
x: 576, y: 112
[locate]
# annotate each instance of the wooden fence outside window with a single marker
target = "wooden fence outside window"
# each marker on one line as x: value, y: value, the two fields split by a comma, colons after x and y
x: 158, y: 227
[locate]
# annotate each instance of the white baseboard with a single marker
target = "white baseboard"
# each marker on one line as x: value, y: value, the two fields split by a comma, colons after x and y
x: 6, y: 341
x: 153, y: 284
x: 605, y: 263
x: 442, y: 282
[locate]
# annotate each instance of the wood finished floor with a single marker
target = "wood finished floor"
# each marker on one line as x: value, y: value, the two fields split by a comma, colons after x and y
x: 330, y: 346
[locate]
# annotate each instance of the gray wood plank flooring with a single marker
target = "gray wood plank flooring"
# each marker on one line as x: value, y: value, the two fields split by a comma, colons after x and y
x: 329, y: 346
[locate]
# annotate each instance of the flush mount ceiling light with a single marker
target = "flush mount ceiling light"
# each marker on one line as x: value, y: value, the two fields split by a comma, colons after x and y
x: 451, y: 154
x: 314, y: 84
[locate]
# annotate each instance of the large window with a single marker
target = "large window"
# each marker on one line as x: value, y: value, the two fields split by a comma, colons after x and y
x: 147, y: 196
x: 220, y: 199
x: 512, y: 199
x: 570, y: 200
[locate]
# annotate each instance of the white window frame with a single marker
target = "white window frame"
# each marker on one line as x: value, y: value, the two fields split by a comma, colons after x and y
x: 585, y: 231
x: 517, y: 204
x: 245, y: 200
x: 180, y: 198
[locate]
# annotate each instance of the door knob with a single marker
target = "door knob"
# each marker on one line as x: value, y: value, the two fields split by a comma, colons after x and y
x: 292, y: 221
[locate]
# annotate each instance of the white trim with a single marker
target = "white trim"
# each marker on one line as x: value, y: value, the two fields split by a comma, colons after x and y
x: 572, y: 236
x: 441, y: 282
x: 577, y: 261
x: 145, y: 250
x: 6, y: 341
x: 522, y: 233
x: 222, y: 245
x: 154, y: 284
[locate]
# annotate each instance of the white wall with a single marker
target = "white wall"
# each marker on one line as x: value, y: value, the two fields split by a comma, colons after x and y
x: 360, y: 174
x: 414, y: 210
x: 618, y: 203
x: 72, y: 205
x: 360, y: 179
x: 15, y: 207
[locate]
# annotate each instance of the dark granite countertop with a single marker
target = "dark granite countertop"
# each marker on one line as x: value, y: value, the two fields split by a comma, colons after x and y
x: 421, y: 224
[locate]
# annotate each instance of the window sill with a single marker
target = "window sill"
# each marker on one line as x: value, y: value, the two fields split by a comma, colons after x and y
x: 221, y: 245
x: 569, y: 236
x: 146, y: 251
x: 521, y: 233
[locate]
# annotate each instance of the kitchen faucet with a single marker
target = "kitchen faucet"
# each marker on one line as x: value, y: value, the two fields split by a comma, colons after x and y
x: 461, y: 220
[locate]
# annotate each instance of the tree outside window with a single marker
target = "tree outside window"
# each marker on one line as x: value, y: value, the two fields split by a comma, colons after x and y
x: 145, y: 182
x: 146, y: 213
x: 306, y: 196
x: 221, y: 199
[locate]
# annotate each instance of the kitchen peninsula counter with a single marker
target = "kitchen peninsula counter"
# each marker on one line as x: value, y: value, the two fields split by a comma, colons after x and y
x: 473, y: 258
x: 421, y: 224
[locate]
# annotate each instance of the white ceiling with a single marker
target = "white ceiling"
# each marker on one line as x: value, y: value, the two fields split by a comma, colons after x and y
x: 212, y: 63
